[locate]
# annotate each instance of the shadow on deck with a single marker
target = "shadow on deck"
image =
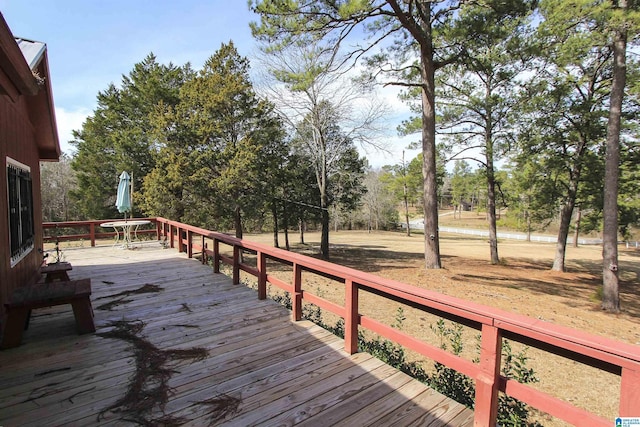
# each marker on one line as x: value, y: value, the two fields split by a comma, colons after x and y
x: 259, y: 368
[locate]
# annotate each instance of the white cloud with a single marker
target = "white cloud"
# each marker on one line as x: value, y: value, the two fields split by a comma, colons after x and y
x: 69, y: 121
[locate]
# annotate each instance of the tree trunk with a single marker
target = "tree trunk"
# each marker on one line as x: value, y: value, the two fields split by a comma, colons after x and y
x: 491, y: 213
x: 563, y: 234
x: 237, y: 217
x: 301, y: 227
x: 274, y: 213
x: 285, y: 224
x: 238, y: 224
x: 287, y: 246
x: 576, y: 234
x: 610, y: 281
x: 406, y: 211
x: 567, y: 210
x: 528, y: 226
x: 431, y: 237
x: 491, y: 188
x: 405, y: 196
x: 324, y: 219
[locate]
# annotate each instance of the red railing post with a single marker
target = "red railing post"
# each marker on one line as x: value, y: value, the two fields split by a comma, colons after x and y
x: 204, y: 250
x: 262, y: 275
x: 216, y: 255
x: 351, y: 317
x: 629, y: 392
x: 159, y: 232
x: 486, y: 406
x: 180, y: 241
x: 296, y: 297
x: 171, y: 241
x: 189, y: 244
x: 236, y: 264
x: 92, y: 234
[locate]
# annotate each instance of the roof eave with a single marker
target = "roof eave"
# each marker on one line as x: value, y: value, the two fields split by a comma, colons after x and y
x: 19, y: 80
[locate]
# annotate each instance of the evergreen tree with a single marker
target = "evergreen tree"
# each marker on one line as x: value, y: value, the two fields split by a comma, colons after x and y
x: 478, y: 94
x: 461, y: 186
x: 118, y: 136
x: 566, y: 110
x: 223, y: 146
x: 379, y: 208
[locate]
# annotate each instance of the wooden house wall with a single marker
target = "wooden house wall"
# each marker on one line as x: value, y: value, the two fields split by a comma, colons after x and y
x: 18, y: 141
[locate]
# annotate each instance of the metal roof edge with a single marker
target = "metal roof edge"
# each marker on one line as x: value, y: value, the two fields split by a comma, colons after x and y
x: 32, y: 51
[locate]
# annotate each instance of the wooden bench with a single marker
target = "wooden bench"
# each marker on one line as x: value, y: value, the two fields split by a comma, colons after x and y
x: 56, y: 271
x: 24, y: 299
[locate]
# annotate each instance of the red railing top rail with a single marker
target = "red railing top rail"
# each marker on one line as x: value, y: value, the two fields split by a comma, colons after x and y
x: 73, y: 224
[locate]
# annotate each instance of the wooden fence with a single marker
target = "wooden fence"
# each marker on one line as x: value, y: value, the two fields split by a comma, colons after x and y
x: 611, y: 356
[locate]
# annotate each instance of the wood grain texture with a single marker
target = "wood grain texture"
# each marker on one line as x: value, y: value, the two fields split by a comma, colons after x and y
x: 282, y: 372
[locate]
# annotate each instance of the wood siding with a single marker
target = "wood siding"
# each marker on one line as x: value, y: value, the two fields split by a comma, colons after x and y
x: 18, y: 141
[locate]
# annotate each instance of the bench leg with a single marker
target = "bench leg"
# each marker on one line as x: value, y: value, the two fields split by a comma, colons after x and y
x: 83, y: 313
x: 16, y: 320
x: 57, y: 275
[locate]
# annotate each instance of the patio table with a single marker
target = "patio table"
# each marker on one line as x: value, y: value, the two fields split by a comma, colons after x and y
x: 125, y: 227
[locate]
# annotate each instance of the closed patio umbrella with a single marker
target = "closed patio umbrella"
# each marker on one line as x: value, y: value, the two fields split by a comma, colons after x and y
x: 123, y: 197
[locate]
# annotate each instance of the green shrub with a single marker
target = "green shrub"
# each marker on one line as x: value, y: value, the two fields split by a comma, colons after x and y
x: 459, y: 387
x: 449, y: 382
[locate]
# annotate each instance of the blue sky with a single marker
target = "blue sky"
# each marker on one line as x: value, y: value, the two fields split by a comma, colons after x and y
x: 92, y: 43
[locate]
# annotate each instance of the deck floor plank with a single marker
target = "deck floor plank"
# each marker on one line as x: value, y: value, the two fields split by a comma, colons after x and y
x: 282, y: 372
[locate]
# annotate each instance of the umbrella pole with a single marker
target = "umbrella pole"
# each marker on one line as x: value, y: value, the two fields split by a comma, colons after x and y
x: 131, y: 196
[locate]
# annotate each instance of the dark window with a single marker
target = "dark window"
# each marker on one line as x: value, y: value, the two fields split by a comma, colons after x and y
x: 21, y: 230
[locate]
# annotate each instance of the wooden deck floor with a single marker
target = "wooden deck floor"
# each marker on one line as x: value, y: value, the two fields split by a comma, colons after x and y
x: 271, y: 370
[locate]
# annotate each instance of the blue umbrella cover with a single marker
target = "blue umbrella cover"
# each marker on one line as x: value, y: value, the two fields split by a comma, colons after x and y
x: 123, y: 197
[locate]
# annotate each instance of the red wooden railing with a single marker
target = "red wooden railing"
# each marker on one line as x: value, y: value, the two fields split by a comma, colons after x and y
x: 89, y: 230
x: 605, y: 354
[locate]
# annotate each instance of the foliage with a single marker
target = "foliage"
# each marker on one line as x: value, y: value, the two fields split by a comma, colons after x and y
x: 58, y: 181
x: 331, y: 155
x: 295, y: 194
x: 628, y: 205
x: 565, y: 120
x: 118, y: 136
x: 224, y: 144
x: 379, y: 210
x: 462, y: 185
x: 511, y: 412
x: 446, y: 380
x: 479, y: 93
x: 411, y: 29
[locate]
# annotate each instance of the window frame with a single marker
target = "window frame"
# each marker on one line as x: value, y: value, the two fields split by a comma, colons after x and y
x: 20, y: 222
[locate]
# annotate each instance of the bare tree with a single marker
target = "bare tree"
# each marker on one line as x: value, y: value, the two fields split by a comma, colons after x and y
x: 326, y: 111
x: 58, y: 182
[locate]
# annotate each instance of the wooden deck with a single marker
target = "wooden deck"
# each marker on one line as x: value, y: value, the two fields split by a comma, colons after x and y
x: 260, y: 366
